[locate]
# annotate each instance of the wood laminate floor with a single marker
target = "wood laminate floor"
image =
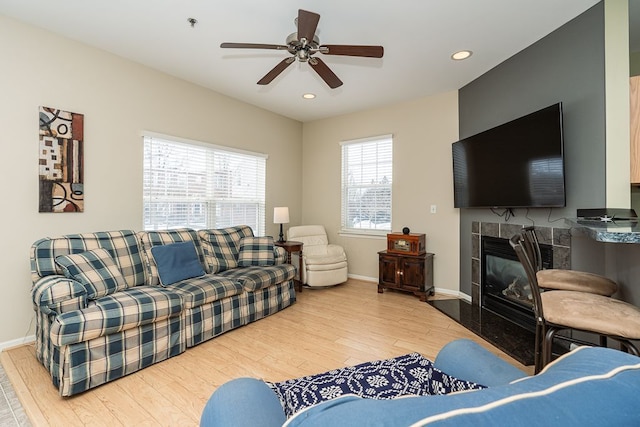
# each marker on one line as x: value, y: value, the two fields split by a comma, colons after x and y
x: 325, y: 329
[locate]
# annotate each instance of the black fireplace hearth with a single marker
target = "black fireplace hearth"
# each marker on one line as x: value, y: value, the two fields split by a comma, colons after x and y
x: 511, y: 338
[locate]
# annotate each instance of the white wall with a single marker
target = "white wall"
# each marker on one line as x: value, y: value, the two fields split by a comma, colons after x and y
x: 119, y: 100
x: 423, y: 131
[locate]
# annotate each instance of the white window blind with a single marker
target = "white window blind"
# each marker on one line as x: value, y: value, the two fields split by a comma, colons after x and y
x: 367, y: 170
x: 198, y: 185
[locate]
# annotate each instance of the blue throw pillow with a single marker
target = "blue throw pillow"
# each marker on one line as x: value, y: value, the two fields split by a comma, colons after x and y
x: 176, y: 262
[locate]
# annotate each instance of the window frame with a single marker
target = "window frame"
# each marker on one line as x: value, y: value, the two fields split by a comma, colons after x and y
x: 209, y: 200
x: 345, y: 228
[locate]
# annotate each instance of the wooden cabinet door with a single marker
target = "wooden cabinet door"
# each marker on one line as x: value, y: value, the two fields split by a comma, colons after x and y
x: 389, y: 271
x: 413, y: 273
x: 406, y: 273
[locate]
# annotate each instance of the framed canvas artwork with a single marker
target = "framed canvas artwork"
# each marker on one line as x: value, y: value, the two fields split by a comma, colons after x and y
x: 61, y: 161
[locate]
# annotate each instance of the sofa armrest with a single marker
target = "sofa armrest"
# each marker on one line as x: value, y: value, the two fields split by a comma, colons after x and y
x: 466, y: 360
x: 243, y: 402
x: 280, y: 255
x: 57, y: 294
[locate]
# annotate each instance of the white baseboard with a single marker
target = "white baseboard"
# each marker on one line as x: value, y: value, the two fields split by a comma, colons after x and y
x: 364, y: 278
x: 14, y: 343
x: 442, y: 291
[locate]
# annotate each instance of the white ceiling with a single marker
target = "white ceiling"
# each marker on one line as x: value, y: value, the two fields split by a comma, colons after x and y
x: 418, y: 37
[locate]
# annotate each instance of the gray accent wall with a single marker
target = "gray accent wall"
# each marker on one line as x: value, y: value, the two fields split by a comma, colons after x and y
x: 566, y: 66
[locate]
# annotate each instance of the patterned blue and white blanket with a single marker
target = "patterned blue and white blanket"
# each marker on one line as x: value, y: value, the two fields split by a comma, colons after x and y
x: 406, y: 375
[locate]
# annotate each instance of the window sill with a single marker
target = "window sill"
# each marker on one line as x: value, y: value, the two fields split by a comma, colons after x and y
x: 364, y: 235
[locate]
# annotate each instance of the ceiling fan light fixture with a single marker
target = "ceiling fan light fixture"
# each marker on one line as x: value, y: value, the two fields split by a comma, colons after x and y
x: 461, y: 55
x: 309, y: 95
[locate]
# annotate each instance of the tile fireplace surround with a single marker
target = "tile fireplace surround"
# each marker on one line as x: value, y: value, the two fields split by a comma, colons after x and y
x: 558, y: 238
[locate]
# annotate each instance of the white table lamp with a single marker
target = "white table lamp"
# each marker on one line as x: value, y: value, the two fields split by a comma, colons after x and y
x: 281, y: 216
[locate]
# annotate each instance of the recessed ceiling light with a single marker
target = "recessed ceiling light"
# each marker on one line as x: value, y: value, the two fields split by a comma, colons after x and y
x: 309, y: 95
x: 460, y: 55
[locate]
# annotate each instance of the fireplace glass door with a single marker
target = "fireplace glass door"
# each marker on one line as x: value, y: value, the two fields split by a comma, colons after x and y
x: 505, y: 287
x: 506, y: 278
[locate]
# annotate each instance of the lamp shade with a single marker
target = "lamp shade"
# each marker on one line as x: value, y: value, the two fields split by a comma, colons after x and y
x: 281, y: 215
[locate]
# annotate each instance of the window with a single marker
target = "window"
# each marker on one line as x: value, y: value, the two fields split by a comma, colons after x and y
x: 367, y: 166
x: 199, y: 185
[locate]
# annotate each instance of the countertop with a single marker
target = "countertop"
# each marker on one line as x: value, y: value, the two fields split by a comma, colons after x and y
x: 619, y: 231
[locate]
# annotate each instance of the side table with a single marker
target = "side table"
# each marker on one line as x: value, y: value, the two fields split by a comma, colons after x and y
x: 411, y: 273
x: 292, y: 246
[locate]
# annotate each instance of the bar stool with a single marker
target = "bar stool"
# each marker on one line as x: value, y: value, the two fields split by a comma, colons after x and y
x: 557, y: 310
x: 567, y: 280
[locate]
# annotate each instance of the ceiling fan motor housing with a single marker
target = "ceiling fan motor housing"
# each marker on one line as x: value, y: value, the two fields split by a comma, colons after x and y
x: 301, y: 50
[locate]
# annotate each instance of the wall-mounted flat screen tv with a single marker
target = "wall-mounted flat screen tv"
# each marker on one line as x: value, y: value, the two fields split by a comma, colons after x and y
x: 517, y: 164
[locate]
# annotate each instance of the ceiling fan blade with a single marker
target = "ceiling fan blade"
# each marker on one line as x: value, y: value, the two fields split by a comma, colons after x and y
x: 275, y: 72
x: 253, y: 46
x: 307, y: 24
x: 352, y: 50
x: 325, y: 72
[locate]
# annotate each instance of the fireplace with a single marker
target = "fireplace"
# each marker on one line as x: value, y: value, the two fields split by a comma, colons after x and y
x: 504, y: 330
x: 505, y: 288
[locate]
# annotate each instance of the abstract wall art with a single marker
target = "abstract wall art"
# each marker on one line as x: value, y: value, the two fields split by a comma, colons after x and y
x: 61, y: 161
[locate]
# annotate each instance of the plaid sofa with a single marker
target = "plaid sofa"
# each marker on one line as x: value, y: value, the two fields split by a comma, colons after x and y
x: 103, y: 310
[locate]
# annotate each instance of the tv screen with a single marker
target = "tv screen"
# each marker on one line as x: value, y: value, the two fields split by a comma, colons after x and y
x: 517, y: 164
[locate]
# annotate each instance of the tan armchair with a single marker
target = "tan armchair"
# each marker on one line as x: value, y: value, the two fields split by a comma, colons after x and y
x: 323, y: 264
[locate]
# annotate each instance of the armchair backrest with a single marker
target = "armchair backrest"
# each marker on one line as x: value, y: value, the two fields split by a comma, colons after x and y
x: 310, y: 235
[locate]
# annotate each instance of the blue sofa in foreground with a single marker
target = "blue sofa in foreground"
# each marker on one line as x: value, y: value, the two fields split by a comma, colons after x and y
x: 588, y: 386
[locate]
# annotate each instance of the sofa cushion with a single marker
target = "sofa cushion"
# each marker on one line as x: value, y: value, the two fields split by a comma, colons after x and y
x: 220, y: 247
x: 123, y: 310
x: 410, y: 374
x: 150, y: 239
x: 205, y: 289
x: 96, y: 270
x: 260, y: 277
x: 123, y: 246
x: 256, y: 251
x: 176, y: 262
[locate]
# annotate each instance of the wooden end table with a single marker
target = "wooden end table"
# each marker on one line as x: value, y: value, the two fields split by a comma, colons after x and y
x: 292, y: 246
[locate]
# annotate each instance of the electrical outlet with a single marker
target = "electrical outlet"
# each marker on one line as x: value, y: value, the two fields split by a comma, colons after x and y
x: 434, y: 209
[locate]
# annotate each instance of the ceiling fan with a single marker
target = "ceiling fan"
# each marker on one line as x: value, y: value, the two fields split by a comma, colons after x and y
x: 303, y: 45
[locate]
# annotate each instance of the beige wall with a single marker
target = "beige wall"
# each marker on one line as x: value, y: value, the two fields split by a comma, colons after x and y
x: 119, y: 100
x: 617, y: 103
x: 423, y: 131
